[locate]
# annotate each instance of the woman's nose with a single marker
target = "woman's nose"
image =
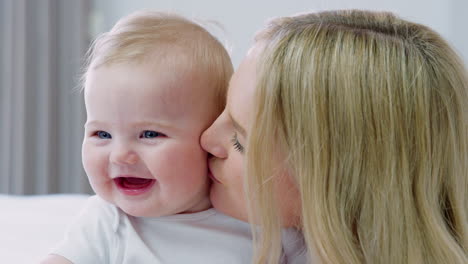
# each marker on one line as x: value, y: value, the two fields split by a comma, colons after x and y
x: 211, y: 140
x: 122, y: 155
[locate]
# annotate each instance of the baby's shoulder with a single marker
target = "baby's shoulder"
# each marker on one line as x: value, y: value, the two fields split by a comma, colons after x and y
x: 98, y: 205
x: 100, y: 211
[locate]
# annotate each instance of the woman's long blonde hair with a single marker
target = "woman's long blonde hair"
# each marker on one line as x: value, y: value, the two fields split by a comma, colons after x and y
x: 372, y: 114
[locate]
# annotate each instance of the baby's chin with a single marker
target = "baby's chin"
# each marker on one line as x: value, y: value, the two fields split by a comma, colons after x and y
x: 136, y: 208
x: 141, y: 210
x: 148, y: 208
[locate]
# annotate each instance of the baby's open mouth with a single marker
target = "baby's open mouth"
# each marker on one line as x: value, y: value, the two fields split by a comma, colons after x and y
x: 133, y: 185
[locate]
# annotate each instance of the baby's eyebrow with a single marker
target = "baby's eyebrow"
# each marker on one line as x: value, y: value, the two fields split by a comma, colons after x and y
x: 165, y: 125
x: 93, y: 123
x: 162, y: 124
x: 237, y: 126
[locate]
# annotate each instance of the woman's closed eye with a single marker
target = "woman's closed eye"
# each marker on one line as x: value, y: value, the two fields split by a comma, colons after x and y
x: 237, y: 145
x: 151, y: 134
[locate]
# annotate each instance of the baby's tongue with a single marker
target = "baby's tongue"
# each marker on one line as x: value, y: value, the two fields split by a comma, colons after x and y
x: 132, y: 182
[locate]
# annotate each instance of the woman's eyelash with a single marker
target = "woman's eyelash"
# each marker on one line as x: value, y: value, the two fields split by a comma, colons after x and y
x: 237, y: 145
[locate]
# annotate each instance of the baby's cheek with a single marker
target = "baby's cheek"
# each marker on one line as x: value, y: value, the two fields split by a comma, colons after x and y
x: 89, y: 159
x: 191, y: 168
x: 96, y: 168
x: 93, y: 163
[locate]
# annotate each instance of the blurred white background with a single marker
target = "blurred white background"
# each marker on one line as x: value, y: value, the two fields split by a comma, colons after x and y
x: 241, y: 19
x: 42, y: 44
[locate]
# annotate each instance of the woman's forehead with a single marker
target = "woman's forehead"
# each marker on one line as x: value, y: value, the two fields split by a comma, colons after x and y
x: 242, y: 90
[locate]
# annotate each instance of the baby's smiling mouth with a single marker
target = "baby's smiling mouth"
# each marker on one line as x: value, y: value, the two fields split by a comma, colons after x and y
x: 134, y: 185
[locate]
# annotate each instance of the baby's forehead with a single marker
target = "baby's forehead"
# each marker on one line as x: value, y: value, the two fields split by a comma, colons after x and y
x: 179, y: 74
x: 180, y: 82
x: 177, y: 64
x: 170, y: 92
x: 171, y: 76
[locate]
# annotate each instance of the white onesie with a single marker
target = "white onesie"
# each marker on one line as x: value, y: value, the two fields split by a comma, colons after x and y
x: 105, y: 234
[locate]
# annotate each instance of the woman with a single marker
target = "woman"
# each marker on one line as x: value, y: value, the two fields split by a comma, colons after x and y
x: 353, y: 128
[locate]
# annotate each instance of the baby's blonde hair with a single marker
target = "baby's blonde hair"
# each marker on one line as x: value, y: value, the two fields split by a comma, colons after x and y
x: 164, y: 38
x: 372, y: 113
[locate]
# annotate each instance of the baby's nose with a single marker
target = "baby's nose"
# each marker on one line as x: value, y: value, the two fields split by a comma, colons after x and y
x: 124, y: 156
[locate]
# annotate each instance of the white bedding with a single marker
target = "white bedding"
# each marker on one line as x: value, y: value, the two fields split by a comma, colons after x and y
x: 31, y: 225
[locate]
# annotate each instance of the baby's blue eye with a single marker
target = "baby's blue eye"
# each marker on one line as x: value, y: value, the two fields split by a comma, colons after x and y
x: 150, y: 134
x: 103, y: 135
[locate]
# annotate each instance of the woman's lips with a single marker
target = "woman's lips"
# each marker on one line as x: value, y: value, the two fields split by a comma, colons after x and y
x: 134, y: 185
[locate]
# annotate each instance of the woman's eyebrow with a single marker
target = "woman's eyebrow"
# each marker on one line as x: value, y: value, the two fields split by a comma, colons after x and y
x: 237, y: 126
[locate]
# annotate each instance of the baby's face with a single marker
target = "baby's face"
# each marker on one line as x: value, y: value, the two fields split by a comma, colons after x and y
x: 141, y: 147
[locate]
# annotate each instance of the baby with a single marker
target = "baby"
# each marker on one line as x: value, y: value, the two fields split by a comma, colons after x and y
x: 154, y: 83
